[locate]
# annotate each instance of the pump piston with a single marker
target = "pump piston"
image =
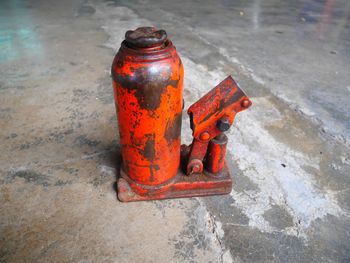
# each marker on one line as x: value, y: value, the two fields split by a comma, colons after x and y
x: 148, y: 78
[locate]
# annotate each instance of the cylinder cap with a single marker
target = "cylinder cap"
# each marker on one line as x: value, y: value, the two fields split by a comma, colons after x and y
x: 145, y: 37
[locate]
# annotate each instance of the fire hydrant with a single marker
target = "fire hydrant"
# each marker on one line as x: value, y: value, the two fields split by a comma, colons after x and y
x: 148, y: 79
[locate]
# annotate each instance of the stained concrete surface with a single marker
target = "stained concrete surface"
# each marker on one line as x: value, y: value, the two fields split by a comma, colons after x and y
x: 289, y: 152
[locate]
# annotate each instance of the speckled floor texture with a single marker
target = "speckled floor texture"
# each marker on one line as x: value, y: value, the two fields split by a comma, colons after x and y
x: 290, y: 152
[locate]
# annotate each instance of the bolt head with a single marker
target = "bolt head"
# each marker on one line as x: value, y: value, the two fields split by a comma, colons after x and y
x: 223, y: 124
x: 245, y: 103
x: 204, y: 136
x: 196, y: 168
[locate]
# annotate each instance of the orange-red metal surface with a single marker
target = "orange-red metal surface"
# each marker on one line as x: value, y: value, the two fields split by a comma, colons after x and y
x: 198, y: 184
x: 215, y: 158
x: 213, y: 114
x: 180, y: 187
x: 222, y: 102
x: 148, y: 86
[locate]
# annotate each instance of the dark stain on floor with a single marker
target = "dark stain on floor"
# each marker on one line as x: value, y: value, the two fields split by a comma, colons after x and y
x: 82, y: 141
x: 29, y: 176
x: 278, y: 217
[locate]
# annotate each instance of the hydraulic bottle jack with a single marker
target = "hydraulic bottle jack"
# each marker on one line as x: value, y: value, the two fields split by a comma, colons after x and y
x: 148, y: 85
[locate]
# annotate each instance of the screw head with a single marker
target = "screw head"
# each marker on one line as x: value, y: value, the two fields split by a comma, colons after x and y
x: 196, y: 168
x: 204, y: 136
x: 245, y: 103
x: 223, y: 124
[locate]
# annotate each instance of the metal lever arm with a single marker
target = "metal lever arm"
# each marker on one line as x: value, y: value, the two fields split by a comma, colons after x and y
x: 211, y: 115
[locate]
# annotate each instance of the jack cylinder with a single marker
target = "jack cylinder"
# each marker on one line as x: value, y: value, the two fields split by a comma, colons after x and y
x: 148, y: 85
x: 215, y: 159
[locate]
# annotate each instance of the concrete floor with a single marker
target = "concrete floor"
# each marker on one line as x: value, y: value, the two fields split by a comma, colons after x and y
x: 290, y: 151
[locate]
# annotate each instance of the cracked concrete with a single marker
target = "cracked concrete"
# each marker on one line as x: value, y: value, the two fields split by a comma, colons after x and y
x: 289, y: 153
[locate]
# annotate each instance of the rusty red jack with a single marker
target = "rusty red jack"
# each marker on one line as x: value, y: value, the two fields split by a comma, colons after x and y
x: 148, y: 85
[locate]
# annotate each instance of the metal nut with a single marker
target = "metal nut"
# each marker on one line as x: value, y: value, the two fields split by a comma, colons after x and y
x: 204, y: 136
x: 223, y: 124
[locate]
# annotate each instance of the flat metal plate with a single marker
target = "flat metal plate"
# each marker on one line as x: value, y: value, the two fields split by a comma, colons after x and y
x: 181, y: 186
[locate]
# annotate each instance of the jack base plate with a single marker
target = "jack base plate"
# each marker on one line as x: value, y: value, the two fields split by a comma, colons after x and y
x: 180, y: 186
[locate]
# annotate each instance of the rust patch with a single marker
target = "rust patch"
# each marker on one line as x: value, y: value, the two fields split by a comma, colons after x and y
x: 149, y: 151
x: 224, y: 102
x: 173, y: 128
x: 148, y: 86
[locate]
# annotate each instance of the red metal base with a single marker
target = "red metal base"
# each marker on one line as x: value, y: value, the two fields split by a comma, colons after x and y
x: 203, y: 184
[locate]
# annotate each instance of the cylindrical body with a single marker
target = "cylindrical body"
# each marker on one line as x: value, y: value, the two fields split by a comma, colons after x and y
x: 215, y: 159
x: 148, y: 85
